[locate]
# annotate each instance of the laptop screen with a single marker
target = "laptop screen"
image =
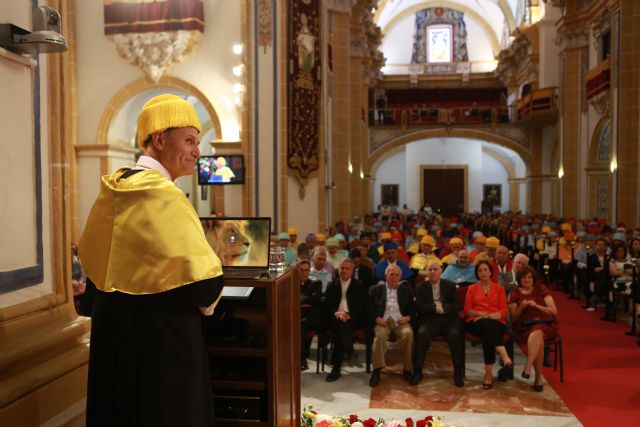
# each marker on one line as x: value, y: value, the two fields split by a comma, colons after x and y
x: 240, y: 242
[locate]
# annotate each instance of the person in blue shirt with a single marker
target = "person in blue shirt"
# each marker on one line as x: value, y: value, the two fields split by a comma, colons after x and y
x: 391, y: 257
x: 462, y: 273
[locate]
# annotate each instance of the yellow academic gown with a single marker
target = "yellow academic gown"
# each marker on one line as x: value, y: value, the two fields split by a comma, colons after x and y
x: 149, y: 269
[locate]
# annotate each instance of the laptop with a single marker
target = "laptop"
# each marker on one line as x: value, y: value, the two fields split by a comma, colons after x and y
x: 241, y: 243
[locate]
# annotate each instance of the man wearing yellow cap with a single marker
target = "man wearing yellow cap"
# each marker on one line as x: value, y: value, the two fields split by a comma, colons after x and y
x: 421, y: 261
x: 455, y: 245
x: 149, y: 268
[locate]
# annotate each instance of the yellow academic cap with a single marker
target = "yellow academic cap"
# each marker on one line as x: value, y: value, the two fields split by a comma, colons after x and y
x: 428, y: 240
x: 163, y: 112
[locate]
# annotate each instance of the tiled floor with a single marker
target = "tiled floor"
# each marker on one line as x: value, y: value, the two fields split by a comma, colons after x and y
x: 506, y: 404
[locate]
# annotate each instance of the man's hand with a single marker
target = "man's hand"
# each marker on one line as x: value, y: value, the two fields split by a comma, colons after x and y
x: 439, y: 308
x: 343, y: 316
x: 380, y: 321
x: 404, y: 320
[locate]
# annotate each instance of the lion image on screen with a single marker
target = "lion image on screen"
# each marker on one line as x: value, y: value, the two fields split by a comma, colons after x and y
x: 237, y: 242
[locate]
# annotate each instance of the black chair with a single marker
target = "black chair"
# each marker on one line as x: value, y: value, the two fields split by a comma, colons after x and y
x: 555, y: 346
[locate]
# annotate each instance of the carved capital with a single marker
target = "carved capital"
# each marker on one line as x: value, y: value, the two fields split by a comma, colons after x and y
x: 572, y: 37
x: 556, y: 3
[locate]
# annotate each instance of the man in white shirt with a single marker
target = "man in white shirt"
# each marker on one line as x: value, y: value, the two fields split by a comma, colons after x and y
x: 391, y: 304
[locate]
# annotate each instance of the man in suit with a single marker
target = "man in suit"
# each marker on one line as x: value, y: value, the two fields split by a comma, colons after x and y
x: 361, y: 272
x: 391, y: 305
x: 437, y: 306
x: 310, y: 300
x: 502, y: 267
x: 345, y: 303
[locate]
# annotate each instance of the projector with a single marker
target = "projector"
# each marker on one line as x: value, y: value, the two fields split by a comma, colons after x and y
x: 45, y: 37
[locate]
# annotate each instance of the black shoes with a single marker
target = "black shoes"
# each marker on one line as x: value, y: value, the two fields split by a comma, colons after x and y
x: 538, y: 388
x: 506, y: 372
x: 407, y: 375
x: 525, y: 375
x: 487, y: 386
x: 375, y: 377
x: 304, y: 365
x: 416, y: 378
x: 333, y: 375
x: 457, y: 377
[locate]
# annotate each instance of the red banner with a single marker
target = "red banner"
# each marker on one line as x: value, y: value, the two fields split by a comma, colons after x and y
x: 143, y: 17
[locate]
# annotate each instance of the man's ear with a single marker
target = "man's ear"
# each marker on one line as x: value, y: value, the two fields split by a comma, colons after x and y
x: 157, y: 140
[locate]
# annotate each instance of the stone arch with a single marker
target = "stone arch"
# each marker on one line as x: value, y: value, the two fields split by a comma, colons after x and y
x: 135, y: 87
x: 392, y: 147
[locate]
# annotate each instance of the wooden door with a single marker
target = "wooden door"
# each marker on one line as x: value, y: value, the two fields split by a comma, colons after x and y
x: 443, y: 190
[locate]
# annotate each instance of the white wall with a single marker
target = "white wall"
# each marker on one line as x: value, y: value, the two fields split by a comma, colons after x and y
x: 493, y: 172
x: 392, y: 171
x: 403, y: 168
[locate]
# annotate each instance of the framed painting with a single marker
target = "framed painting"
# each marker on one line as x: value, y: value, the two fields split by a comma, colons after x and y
x: 492, y: 193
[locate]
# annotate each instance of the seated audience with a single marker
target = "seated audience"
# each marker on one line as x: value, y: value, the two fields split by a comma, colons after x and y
x: 334, y: 256
x: 346, y: 302
x: 437, y: 308
x: 533, y: 316
x: 455, y: 246
x: 462, y: 273
x: 391, y: 305
x: 290, y: 253
x: 310, y: 300
x: 621, y: 270
x: 485, y: 311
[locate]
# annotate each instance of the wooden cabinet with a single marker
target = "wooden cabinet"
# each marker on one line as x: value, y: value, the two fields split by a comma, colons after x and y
x: 254, y: 349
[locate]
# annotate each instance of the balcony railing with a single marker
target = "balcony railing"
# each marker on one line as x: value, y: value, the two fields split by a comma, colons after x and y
x: 598, y: 79
x: 538, y: 103
x: 420, y: 116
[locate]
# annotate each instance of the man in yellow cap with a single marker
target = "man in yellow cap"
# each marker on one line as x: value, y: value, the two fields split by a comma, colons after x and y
x: 455, y: 245
x: 420, y: 261
x: 293, y: 236
x: 149, y: 268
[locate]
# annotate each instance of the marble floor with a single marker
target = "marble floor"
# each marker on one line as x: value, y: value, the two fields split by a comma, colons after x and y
x: 506, y: 404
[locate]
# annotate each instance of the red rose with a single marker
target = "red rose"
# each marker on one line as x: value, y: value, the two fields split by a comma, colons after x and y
x: 421, y: 423
x: 353, y: 418
x: 369, y: 422
x: 409, y: 422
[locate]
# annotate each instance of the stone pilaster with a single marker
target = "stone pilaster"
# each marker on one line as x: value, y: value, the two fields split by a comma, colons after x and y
x: 341, y: 115
x: 628, y: 112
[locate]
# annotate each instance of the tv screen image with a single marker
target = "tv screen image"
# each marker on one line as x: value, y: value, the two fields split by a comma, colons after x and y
x: 221, y: 170
x: 239, y: 242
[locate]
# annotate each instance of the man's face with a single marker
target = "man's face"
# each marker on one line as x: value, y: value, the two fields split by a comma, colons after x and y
x: 601, y: 246
x: 393, y: 276
x: 502, y: 254
x: 303, y: 270
x: 463, y: 258
x: 356, y: 260
x: 319, y: 260
x: 178, y: 150
x: 426, y: 248
x: 366, y: 241
x: 519, y: 263
x: 434, y: 271
x: 283, y: 243
x: 392, y: 254
x: 332, y: 249
x: 345, y: 271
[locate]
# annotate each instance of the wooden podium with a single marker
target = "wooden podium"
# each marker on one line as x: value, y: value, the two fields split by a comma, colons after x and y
x: 254, y: 349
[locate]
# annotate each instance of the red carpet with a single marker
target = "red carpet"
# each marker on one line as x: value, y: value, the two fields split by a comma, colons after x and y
x: 602, y: 367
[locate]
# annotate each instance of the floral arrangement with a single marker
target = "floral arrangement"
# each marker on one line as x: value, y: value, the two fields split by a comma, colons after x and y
x: 311, y: 418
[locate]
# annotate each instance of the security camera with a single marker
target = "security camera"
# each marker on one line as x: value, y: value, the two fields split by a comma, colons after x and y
x: 45, y: 37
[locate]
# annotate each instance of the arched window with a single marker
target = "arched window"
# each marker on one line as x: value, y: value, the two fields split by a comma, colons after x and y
x: 604, y: 144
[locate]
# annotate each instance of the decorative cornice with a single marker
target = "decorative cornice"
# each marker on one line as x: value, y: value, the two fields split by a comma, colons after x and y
x: 518, y: 64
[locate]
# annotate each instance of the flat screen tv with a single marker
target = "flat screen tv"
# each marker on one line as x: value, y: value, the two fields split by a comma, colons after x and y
x: 221, y: 170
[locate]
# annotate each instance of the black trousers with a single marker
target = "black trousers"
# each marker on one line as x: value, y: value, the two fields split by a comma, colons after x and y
x: 447, y: 326
x: 306, y: 326
x: 342, y: 339
x: 491, y: 331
